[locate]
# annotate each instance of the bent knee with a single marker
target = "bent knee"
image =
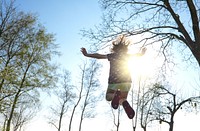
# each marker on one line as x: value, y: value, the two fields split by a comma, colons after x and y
x: 109, y: 97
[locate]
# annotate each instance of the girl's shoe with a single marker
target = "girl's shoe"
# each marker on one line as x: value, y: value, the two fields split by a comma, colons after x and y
x: 115, y: 100
x: 128, y: 109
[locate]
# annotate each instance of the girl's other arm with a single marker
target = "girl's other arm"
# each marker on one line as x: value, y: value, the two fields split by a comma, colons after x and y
x: 142, y: 52
x: 95, y: 55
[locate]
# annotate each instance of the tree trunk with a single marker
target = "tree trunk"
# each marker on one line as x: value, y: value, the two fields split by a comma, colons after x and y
x: 12, y: 110
x: 60, y: 119
x: 196, y: 54
x: 171, y: 124
x: 77, y: 103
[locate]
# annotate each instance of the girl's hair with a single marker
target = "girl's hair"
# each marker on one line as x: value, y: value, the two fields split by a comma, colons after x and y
x: 120, y: 44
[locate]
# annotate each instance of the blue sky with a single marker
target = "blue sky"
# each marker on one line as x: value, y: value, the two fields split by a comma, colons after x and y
x: 65, y: 19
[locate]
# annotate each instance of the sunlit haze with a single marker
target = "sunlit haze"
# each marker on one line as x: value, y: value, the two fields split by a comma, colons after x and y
x: 65, y: 19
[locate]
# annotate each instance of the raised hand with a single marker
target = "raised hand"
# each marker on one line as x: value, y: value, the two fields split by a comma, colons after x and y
x: 84, y: 51
x: 143, y: 50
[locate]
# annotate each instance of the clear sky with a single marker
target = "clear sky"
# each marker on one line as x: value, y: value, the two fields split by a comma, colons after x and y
x: 65, y: 19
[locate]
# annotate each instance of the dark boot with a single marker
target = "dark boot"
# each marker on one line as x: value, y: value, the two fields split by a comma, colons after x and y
x: 115, y: 100
x: 128, y: 109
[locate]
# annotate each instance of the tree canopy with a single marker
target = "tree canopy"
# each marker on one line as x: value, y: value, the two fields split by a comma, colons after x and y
x: 26, y: 50
x: 169, y: 23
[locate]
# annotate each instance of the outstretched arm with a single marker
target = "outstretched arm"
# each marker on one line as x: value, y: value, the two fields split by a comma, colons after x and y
x: 95, y: 55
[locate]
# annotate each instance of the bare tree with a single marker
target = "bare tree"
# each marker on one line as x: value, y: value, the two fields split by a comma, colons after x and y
x: 65, y: 97
x: 160, y: 22
x: 24, y: 113
x: 79, y: 96
x: 140, y: 101
x: 165, y: 105
x: 116, y: 118
x: 145, y: 107
x: 90, y: 86
x: 86, y: 97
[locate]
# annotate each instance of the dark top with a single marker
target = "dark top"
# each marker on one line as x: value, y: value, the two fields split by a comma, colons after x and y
x: 119, y: 71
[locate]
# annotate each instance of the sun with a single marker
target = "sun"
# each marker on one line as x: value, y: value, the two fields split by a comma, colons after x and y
x: 141, y: 66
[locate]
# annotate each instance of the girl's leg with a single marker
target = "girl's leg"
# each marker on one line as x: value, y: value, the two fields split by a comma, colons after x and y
x: 116, y: 99
x: 123, y: 97
x: 128, y: 109
x: 123, y: 101
x: 117, y: 93
x: 113, y: 95
x: 110, y: 94
x: 112, y: 88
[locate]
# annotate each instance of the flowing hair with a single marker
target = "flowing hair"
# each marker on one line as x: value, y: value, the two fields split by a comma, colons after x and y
x: 120, y: 44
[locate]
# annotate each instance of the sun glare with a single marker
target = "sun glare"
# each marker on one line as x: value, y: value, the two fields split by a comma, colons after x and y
x: 141, y: 66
